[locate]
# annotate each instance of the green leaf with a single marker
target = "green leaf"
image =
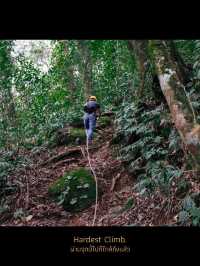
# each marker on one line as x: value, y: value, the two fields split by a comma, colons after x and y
x: 195, y: 212
x: 84, y: 196
x: 183, y: 217
x: 61, y: 201
x: 73, y: 201
x: 86, y: 185
x: 129, y: 204
x: 188, y: 203
x: 195, y: 222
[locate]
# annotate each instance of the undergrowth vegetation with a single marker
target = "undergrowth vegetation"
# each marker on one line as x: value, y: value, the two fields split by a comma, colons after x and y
x: 150, y: 147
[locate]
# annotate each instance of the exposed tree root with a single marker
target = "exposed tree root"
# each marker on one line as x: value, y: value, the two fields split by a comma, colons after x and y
x: 71, y: 152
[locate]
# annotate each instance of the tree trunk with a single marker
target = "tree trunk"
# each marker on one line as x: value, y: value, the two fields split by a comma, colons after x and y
x: 87, y: 66
x: 178, y: 61
x: 139, y: 48
x: 179, y: 105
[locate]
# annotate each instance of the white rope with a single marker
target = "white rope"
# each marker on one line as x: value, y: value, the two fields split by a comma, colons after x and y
x: 95, y: 177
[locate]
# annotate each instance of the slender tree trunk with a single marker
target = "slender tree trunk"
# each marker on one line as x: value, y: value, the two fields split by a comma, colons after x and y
x: 8, y: 106
x: 87, y: 66
x: 179, y: 105
x: 71, y: 82
x: 69, y: 71
x: 139, y: 48
x: 175, y: 57
x: 8, y: 111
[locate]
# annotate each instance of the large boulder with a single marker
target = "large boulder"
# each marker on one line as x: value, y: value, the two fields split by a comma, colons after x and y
x: 76, y: 190
x: 68, y: 135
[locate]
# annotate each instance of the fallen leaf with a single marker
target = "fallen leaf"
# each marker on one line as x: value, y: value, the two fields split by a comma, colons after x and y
x: 28, y: 218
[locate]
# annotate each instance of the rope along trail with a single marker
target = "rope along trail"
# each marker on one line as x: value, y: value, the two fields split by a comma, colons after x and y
x: 95, y: 177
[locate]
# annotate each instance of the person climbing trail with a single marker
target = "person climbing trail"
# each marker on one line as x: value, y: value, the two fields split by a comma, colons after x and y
x: 92, y: 110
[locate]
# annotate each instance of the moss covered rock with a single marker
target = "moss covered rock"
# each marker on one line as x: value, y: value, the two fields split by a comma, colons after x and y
x: 77, y: 133
x: 76, y: 190
x: 67, y: 136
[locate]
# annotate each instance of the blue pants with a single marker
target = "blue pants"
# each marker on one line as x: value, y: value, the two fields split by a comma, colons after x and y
x: 90, y: 124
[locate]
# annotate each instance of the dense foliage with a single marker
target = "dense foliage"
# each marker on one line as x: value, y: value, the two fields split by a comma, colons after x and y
x: 149, y: 144
x: 47, y: 100
x: 38, y: 100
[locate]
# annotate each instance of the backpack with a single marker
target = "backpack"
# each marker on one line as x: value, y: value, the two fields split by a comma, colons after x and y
x: 91, y: 107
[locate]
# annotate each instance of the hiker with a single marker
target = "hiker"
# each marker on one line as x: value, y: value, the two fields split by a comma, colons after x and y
x: 91, y: 109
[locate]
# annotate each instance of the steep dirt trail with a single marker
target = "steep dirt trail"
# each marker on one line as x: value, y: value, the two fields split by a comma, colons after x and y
x: 114, y: 181
x: 38, y: 208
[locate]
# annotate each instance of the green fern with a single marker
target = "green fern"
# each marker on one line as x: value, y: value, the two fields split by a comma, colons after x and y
x: 147, y: 145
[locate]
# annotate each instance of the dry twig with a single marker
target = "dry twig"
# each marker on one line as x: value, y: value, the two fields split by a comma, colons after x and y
x: 114, y: 182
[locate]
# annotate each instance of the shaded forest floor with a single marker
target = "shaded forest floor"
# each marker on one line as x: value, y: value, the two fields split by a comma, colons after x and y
x: 118, y: 205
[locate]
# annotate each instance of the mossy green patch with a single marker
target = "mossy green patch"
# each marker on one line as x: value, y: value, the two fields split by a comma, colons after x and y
x: 77, y: 133
x: 67, y: 136
x: 77, y: 123
x: 104, y: 121
x: 75, y: 190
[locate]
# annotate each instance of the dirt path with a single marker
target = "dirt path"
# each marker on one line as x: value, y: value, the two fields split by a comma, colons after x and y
x: 113, y: 180
x: 38, y: 208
